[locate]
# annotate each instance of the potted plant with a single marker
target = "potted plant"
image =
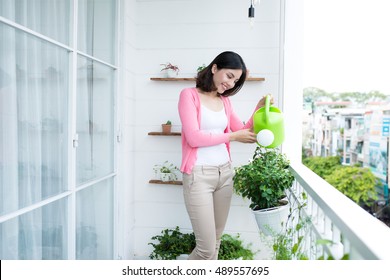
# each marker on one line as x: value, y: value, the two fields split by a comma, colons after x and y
x: 166, y: 127
x: 173, y: 244
x: 166, y: 171
x: 201, y: 67
x: 233, y: 248
x: 170, y: 70
x: 265, y: 180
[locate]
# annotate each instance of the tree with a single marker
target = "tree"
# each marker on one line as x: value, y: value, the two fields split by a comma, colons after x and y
x: 357, y: 183
x: 323, y: 166
x: 313, y: 94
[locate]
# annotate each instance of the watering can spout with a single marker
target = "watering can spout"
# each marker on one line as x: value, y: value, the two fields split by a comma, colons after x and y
x: 268, y: 123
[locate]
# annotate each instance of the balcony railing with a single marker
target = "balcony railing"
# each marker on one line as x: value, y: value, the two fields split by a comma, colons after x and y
x: 350, y: 230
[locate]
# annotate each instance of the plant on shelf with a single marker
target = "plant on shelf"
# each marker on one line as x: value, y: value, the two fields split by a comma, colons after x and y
x: 172, y: 243
x: 264, y: 181
x: 201, y: 67
x: 167, y: 171
x: 170, y: 69
x: 166, y: 127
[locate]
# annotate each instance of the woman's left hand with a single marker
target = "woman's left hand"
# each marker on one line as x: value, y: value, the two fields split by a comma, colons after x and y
x: 261, y: 102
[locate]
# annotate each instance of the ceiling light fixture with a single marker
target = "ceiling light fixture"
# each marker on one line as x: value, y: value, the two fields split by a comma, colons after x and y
x: 251, y: 12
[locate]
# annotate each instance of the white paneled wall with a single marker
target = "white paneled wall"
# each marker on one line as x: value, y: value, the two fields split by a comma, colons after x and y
x: 187, y: 33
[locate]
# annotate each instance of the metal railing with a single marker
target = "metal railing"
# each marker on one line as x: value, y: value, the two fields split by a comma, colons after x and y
x: 348, y: 229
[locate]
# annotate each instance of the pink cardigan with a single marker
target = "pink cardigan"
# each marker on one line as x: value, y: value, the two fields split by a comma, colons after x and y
x: 192, y: 137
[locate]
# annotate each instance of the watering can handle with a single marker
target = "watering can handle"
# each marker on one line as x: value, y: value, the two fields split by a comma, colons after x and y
x: 267, y: 103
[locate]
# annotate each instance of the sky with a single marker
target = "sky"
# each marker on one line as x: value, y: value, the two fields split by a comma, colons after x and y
x: 347, y: 45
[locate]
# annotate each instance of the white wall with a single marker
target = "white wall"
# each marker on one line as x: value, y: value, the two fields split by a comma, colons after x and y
x: 291, y: 78
x: 126, y: 126
x: 187, y: 33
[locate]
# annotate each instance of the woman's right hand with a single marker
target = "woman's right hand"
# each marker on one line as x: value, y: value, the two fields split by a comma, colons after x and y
x: 261, y: 102
x: 243, y: 136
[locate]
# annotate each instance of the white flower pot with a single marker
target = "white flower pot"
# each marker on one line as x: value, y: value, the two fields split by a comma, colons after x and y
x: 165, y: 177
x: 272, y: 220
x: 170, y: 73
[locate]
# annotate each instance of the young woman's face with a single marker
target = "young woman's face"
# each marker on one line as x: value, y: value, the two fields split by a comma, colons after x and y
x: 225, y: 79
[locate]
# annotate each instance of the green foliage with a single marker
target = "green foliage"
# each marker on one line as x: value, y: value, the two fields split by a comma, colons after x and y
x: 312, y: 94
x: 232, y: 248
x: 289, y: 245
x: 166, y: 167
x: 357, y: 183
x: 264, y: 179
x: 173, y: 243
x: 168, y: 122
x: 327, y: 242
x: 201, y: 67
x: 362, y: 97
x: 322, y: 166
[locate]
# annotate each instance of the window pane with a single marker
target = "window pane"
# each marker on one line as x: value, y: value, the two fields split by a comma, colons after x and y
x: 96, y: 28
x: 48, y: 17
x: 95, y: 127
x: 37, y: 235
x: 33, y: 119
x: 94, y: 234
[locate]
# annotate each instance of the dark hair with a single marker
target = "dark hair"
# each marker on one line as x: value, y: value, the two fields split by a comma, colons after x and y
x: 225, y: 60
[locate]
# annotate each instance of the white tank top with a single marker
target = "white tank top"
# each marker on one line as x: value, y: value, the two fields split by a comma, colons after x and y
x: 215, y: 123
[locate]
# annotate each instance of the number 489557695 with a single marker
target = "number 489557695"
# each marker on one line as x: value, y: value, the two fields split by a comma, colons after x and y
x: 242, y: 270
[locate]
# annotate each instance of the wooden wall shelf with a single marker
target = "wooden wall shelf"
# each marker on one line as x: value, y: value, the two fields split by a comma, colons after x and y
x: 193, y: 79
x: 164, y: 134
x: 172, y: 79
x: 177, y: 183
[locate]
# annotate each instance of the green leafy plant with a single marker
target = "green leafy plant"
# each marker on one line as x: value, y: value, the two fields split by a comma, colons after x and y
x: 166, y: 167
x: 265, y: 179
x: 323, y: 166
x: 168, y: 122
x: 201, y: 67
x: 172, y: 243
x: 289, y: 244
x: 357, y: 183
x: 233, y: 248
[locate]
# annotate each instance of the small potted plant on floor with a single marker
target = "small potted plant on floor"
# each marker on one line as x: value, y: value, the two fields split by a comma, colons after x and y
x: 170, y: 70
x: 172, y: 244
x: 166, y: 127
x: 166, y: 171
x: 233, y: 248
x: 265, y: 180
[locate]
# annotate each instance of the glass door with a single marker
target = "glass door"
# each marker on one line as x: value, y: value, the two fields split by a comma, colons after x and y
x: 57, y: 128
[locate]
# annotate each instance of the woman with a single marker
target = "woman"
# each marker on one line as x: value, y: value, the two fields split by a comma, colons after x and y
x: 209, y: 124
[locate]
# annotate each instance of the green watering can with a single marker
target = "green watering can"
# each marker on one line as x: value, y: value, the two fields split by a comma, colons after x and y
x: 269, y: 125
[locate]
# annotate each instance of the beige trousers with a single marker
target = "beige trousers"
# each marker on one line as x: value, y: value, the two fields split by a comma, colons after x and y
x: 207, y: 194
